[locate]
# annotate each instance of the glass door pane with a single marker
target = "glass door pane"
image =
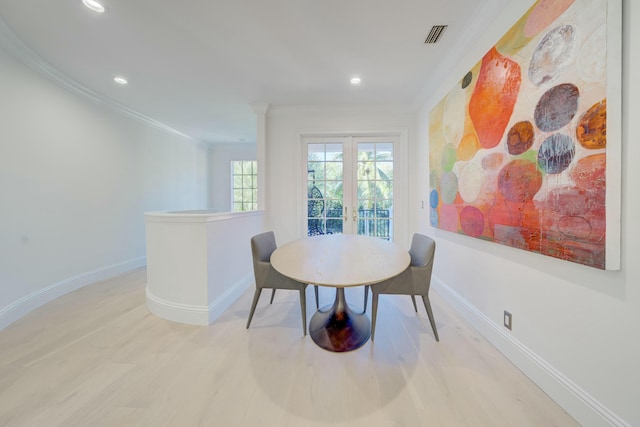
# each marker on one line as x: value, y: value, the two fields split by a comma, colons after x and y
x: 374, y: 191
x: 325, y: 196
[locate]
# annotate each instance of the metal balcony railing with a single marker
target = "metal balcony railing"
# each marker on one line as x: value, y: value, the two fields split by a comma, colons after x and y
x: 371, y: 222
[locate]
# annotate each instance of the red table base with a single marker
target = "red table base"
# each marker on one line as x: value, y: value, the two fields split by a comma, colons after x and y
x: 337, y: 328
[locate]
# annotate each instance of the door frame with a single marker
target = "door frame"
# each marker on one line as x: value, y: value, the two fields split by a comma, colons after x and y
x: 400, y: 173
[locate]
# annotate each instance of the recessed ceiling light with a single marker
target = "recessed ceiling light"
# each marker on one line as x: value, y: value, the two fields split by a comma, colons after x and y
x: 120, y: 80
x: 356, y: 80
x: 94, y: 5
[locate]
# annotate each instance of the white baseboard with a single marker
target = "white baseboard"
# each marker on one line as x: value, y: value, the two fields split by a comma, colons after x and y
x: 232, y: 295
x: 572, y: 398
x: 201, y: 315
x: 34, y: 300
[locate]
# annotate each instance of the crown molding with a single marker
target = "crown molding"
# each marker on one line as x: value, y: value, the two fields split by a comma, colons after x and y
x: 14, y: 45
x: 287, y: 109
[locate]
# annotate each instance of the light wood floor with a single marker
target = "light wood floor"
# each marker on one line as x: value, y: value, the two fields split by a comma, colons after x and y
x: 97, y: 357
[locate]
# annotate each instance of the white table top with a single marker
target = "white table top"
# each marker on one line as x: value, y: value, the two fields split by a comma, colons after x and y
x: 340, y: 260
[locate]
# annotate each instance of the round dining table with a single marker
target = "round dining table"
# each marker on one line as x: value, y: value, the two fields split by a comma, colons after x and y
x: 340, y: 261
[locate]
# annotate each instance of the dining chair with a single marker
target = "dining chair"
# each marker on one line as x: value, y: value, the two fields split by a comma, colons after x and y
x: 262, y: 246
x: 415, y: 280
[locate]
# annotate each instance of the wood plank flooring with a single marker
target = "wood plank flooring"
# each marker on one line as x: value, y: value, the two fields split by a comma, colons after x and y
x: 97, y: 357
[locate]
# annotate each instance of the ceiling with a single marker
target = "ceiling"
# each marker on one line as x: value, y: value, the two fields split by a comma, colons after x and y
x: 197, y: 66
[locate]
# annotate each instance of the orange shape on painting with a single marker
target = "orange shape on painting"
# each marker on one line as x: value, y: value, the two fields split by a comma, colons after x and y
x: 494, y: 97
x: 519, y: 181
x: 590, y: 172
x: 500, y: 214
x: 592, y: 127
x: 468, y: 147
x: 520, y: 137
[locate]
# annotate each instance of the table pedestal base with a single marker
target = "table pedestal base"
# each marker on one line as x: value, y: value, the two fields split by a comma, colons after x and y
x: 337, y: 328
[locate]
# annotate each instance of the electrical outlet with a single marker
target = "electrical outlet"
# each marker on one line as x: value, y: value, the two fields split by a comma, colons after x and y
x: 507, y: 320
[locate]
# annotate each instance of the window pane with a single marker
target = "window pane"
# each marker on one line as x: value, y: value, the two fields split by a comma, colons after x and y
x: 365, y: 227
x: 366, y: 151
x: 315, y: 208
x: 237, y: 168
x: 366, y: 170
x: 384, y: 151
x: 363, y: 189
x: 386, y: 191
x: 333, y: 208
x: 366, y: 204
x: 315, y: 152
x: 315, y: 172
x: 315, y: 227
x: 334, y: 226
x: 333, y: 189
x: 237, y: 181
x: 312, y: 167
x: 334, y: 152
x: 384, y: 170
x: 318, y: 190
x: 334, y: 170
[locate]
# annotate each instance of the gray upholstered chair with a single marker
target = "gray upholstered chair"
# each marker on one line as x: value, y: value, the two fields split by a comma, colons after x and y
x: 415, y: 280
x: 262, y: 246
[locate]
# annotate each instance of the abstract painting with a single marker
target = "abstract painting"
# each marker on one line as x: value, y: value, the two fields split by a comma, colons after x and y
x: 525, y: 149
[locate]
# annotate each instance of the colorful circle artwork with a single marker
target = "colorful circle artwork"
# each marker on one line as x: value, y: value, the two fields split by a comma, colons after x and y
x: 518, y: 147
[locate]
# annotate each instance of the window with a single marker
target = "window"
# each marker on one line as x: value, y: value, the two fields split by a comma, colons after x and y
x: 244, y: 185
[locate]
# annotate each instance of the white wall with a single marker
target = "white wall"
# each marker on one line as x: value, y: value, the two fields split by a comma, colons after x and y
x: 75, y: 180
x: 221, y: 156
x: 584, y: 323
x: 198, y: 264
x: 284, y: 177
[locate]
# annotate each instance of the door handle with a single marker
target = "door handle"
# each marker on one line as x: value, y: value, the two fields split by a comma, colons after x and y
x: 355, y: 214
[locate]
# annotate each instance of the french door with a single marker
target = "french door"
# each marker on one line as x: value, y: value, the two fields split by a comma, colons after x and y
x: 350, y: 186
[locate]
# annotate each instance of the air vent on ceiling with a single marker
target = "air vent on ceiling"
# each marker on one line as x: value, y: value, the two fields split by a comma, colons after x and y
x: 435, y: 33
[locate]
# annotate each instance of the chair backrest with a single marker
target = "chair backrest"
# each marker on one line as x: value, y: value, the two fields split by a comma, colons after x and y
x: 262, y: 246
x: 422, y: 250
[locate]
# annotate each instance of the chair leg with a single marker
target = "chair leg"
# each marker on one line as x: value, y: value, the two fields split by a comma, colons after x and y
x: 427, y: 305
x: 374, y: 314
x: 316, y: 291
x: 256, y: 297
x: 415, y: 307
x: 303, y: 308
x: 366, y: 298
x: 273, y: 294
